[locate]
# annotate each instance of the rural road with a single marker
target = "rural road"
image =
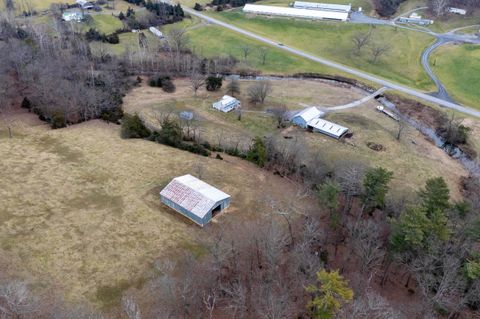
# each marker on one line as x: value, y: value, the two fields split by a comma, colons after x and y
x: 341, y: 67
x: 441, y: 91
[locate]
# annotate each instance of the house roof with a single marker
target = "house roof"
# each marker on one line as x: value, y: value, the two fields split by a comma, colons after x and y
x: 295, y: 12
x: 323, y: 6
x: 309, y: 113
x: 193, y: 194
x: 327, y: 127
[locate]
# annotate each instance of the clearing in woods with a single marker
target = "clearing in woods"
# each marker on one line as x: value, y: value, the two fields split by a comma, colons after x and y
x: 79, y: 207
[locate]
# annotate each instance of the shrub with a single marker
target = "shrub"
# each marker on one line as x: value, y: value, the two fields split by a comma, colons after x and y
x: 198, y: 7
x: 219, y: 157
x: 152, y: 82
x: 112, y: 38
x: 257, y: 153
x: 133, y: 127
x: 214, y: 83
x: 26, y: 104
x: 168, y: 86
x: 113, y: 115
x: 58, y: 120
x: 171, y: 133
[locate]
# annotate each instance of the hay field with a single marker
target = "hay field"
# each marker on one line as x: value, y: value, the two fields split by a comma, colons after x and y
x: 413, y: 159
x: 79, y: 207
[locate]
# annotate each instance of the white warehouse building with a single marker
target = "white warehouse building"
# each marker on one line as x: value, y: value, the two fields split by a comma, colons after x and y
x: 295, y: 13
x: 322, y: 6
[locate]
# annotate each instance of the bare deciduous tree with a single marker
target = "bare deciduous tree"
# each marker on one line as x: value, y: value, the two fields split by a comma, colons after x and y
x: 279, y: 113
x: 16, y: 299
x: 233, y: 87
x: 438, y: 7
x: 259, y: 91
x: 130, y: 307
x: 263, y: 52
x: 377, y: 50
x: 360, y: 40
x: 197, y: 80
x: 246, y: 49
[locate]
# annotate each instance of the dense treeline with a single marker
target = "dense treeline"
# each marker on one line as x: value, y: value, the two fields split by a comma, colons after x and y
x: 63, y: 82
x: 387, y: 8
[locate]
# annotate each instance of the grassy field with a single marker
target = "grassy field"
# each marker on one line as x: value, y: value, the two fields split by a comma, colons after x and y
x: 205, y: 41
x: 333, y: 40
x: 79, y: 207
x: 458, y: 67
x: 413, y: 163
x: 104, y: 23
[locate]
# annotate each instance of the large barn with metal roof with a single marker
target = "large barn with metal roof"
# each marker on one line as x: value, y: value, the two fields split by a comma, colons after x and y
x: 194, y: 199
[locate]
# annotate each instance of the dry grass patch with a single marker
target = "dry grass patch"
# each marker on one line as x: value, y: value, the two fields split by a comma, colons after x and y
x: 81, y: 206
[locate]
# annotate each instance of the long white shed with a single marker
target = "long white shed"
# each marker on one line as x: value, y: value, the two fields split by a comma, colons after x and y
x: 328, y: 128
x: 322, y: 6
x: 295, y: 13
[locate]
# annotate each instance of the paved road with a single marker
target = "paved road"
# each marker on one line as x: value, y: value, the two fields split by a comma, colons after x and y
x: 343, y: 68
x: 441, y: 91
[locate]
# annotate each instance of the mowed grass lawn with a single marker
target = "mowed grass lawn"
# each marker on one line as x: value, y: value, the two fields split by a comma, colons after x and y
x: 333, y: 40
x: 103, y: 23
x: 458, y: 67
x: 80, y: 210
x: 212, y: 41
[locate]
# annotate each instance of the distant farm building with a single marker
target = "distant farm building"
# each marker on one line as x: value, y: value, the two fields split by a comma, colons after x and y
x: 86, y: 5
x: 328, y: 128
x: 317, y: 14
x: 303, y: 117
x: 194, y: 199
x: 415, y: 19
x: 226, y: 104
x: 457, y: 11
x: 72, y: 16
x: 322, y: 6
x: 310, y: 118
x: 157, y: 32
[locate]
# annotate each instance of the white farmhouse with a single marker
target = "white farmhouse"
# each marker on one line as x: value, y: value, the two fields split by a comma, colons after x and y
x: 72, y: 16
x: 226, y: 104
x: 84, y: 4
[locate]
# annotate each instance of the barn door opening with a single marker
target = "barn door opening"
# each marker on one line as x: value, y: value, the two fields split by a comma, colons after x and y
x: 217, y: 210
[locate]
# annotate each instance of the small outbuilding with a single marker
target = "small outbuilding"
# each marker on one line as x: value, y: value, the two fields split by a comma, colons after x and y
x: 157, y: 32
x: 227, y: 104
x: 194, y: 199
x: 328, y: 128
x: 84, y: 4
x: 304, y: 116
x: 72, y: 16
x: 457, y: 11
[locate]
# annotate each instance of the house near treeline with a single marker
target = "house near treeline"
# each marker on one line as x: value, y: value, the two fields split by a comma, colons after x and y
x: 227, y: 104
x: 84, y: 4
x: 194, y: 199
x: 72, y: 16
x: 310, y: 119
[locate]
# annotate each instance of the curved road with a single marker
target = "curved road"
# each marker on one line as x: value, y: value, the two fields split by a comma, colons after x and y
x: 341, y: 67
x: 442, y: 92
